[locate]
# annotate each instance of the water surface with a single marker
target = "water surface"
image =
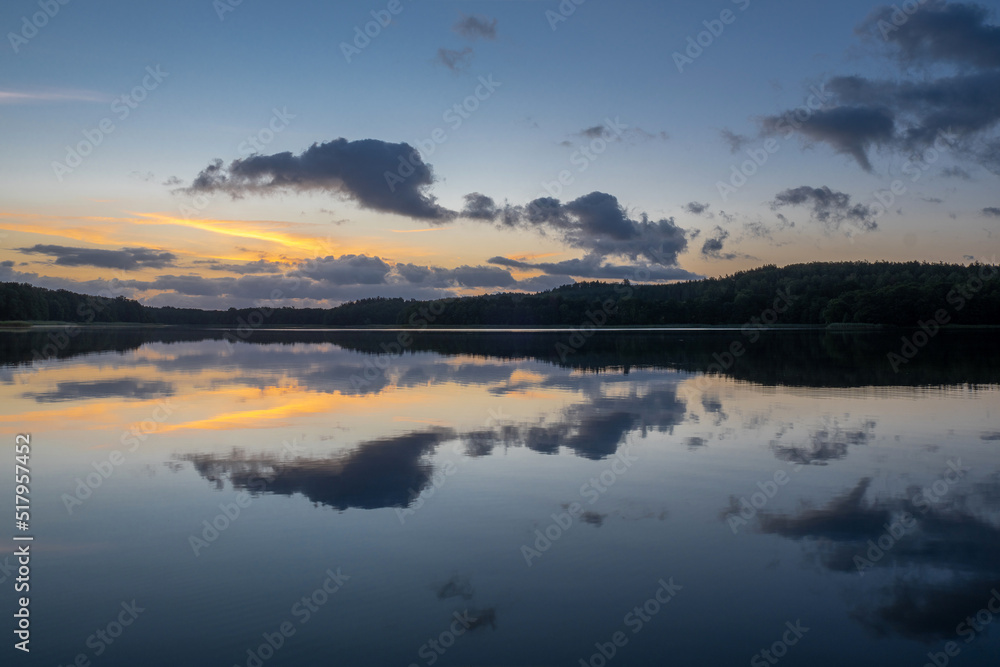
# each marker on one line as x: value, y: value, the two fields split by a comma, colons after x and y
x: 508, y: 498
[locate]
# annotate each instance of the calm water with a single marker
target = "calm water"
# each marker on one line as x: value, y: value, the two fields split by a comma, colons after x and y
x: 482, y: 499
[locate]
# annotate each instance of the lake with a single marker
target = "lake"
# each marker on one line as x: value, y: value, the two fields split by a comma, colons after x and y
x: 506, y: 498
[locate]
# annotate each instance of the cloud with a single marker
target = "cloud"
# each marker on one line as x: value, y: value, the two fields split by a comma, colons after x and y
x: 376, y: 175
x: 695, y: 208
x: 955, y: 109
x: 462, y: 276
x: 712, y: 247
x: 954, y: 32
x: 346, y: 269
x: 389, y: 472
x: 598, y: 224
x: 591, y: 266
x: 851, y: 130
x: 124, y: 259
x: 259, y: 266
x: 595, y: 223
x: 455, y: 60
x: 992, y: 211
x: 828, y: 206
x: 476, y: 26
x: 125, y: 388
x: 956, y: 172
x: 735, y: 141
x: 615, y: 130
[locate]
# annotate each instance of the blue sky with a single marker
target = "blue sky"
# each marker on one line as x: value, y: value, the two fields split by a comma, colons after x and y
x: 227, y: 73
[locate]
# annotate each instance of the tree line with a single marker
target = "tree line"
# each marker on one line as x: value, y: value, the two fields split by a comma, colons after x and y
x: 818, y: 293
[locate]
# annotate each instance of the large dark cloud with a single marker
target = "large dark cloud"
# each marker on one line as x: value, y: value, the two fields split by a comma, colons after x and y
x: 938, y: 32
x: 952, y: 536
x: 463, y: 276
x: 848, y: 129
x: 125, y: 259
x: 346, y: 269
x: 375, y: 174
x: 827, y: 206
x: 953, y: 106
x: 596, y: 223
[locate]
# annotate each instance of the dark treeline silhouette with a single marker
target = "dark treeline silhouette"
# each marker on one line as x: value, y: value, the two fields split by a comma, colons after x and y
x: 790, y: 357
x: 819, y: 293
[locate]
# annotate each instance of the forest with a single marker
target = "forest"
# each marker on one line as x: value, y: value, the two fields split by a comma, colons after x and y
x: 818, y: 293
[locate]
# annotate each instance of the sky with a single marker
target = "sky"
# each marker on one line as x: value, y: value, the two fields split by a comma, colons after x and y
x: 229, y: 153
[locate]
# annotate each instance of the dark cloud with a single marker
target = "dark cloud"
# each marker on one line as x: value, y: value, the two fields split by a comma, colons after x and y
x: 375, y: 174
x: 476, y: 26
x: 346, y: 269
x: 992, y: 211
x: 939, y: 32
x: 695, y: 208
x: 480, y: 207
x: 951, y: 536
x: 455, y: 60
x: 712, y: 246
x: 125, y: 259
x: 456, y: 587
x: 462, y: 276
x: 827, y: 206
x: 736, y: 142
x: 595, y: 223
x: 390, y: 472
x: 956, y: 172
x: 128, y: 388
x: 824, y: 446
x: 956, y: 109
x: 848, y: 129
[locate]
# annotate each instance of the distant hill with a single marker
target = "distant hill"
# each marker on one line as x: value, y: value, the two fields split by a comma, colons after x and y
x: 818, y: 293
